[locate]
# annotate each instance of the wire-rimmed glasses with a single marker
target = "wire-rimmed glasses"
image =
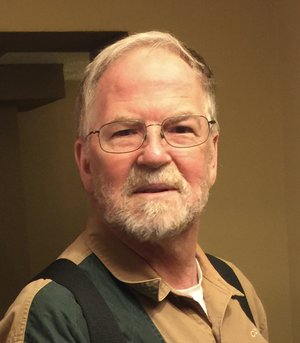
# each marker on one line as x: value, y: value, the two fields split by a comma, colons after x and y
x: 183, y: 131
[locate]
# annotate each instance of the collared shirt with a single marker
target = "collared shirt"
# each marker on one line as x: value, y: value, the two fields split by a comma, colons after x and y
x: 195, y: 292
x: 178, y: 318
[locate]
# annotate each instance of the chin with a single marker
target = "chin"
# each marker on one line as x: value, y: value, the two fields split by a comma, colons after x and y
x: 153, y: 221
x: 150, y: 218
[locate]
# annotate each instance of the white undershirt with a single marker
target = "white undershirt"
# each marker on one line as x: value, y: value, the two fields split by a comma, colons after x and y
x: 195, y: 292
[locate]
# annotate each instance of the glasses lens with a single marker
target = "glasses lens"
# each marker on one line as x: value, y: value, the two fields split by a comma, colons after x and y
x: 186, y: 131
x: 122, y: 136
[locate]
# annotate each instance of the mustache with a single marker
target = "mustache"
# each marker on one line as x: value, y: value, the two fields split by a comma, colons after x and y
x: 168, y: 175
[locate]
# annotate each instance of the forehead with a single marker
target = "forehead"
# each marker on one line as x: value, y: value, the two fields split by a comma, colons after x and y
x: 155, y: 64
x: 147, y: 77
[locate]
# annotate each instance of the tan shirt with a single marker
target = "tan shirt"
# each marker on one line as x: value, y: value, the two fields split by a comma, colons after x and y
x: 179, y: 319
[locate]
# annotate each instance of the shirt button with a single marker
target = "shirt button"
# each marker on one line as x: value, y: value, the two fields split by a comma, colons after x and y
x: 254, y: 332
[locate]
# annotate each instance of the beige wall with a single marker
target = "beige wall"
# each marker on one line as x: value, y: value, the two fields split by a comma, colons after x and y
x: 253, y: 213
x: 13, y: 247
x: 291, y: 117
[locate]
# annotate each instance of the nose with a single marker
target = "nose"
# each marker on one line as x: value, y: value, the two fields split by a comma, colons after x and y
x: 155, y: 151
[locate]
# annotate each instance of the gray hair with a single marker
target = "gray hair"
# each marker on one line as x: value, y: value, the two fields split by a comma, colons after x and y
x: 152, y: 39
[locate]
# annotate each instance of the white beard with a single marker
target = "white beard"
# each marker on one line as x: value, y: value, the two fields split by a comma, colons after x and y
x: 151, y: 220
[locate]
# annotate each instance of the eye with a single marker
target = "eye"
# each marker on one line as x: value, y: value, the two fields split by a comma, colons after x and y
x: 124, y: 133
x: 181, y: 129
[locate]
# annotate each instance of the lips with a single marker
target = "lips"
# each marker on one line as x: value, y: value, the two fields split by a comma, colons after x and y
x: 154, y: 188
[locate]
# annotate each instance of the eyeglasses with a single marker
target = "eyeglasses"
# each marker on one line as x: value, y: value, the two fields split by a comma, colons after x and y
x: 183, y: 131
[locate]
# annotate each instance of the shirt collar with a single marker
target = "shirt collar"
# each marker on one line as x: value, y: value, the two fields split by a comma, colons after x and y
x: 126, y: 265
x: 210, y: 274
x: 131, y: 269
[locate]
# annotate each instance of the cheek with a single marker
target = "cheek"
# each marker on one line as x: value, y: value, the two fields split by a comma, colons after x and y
x: 113, y: 169
x: 193, y: 167
x: 195, y: 172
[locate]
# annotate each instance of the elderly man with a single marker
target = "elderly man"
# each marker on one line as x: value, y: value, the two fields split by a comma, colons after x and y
x: 147, y: 156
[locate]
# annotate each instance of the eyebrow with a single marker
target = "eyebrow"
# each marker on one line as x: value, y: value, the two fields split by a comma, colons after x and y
x: 174, y: 114
x: 142, y: 120
x: 125, y: 118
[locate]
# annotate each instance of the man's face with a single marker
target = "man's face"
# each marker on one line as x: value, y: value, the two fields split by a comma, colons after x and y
x: 157, y: 191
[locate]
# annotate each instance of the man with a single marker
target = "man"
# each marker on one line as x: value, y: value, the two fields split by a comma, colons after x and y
x: 147, y: 156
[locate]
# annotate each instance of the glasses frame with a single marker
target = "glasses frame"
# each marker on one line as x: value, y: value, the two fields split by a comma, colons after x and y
x: 210, y: 123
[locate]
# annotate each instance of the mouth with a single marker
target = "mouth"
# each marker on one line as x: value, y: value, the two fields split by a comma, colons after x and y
x: 154, y: 189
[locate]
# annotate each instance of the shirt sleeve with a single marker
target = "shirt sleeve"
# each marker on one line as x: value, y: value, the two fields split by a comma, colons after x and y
x: 50, y: 315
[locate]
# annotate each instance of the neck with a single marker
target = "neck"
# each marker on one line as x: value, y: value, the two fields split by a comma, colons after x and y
x: 173, y: 258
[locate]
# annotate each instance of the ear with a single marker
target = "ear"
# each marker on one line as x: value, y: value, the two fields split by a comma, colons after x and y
x: 81, y: 153
x: 213, y: 164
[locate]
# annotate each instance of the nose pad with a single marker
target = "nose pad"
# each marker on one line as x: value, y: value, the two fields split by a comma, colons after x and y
x: 161, y: 133
x: 154, y: 151
x: 147, y: 136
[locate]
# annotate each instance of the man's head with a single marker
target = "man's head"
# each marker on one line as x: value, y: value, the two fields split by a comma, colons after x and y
x: 146, y: 174
x: 152, y: 40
